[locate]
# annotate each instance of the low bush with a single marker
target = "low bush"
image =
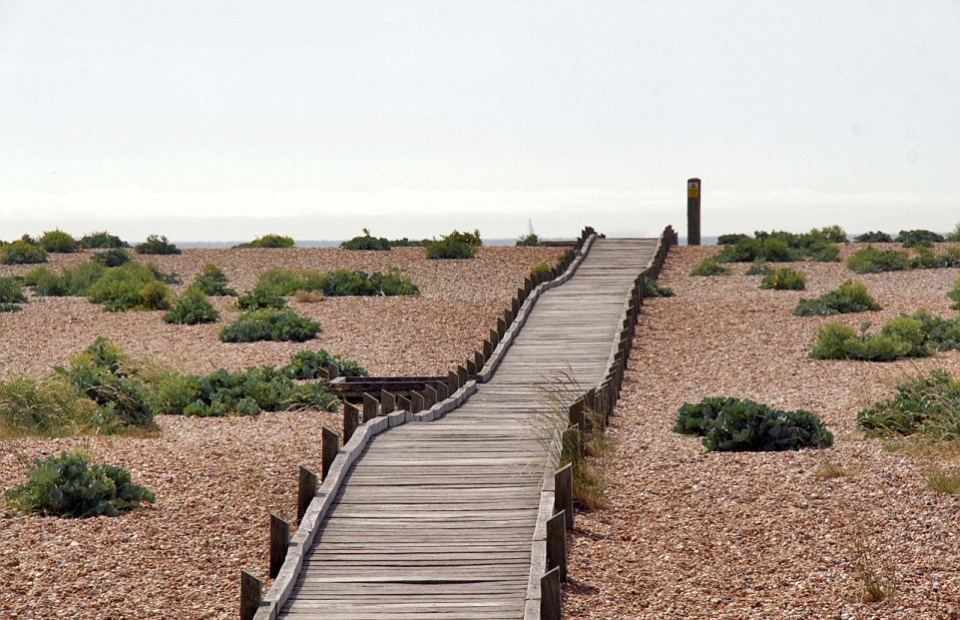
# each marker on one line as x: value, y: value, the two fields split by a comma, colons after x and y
x: 156, y: 245
x: 759, y: 269
x: 367, y: 242
x: 785, y: 279
x: 918, y: 238
x: 47, y: 408
x: 267, y: 241
x: 192, y: 308
x: 57, y: 241
x: 212, y: 281
x: 926, y: 258
x: 165, y: 278
x: 102, y: 241
x: 929, y: 405
x: 731, y: 424
x: 68, y: 486
x: 942, y: 334
x: 710, y: 267
x: 336, y: 283
x: 72, y: 282
x: 260, y: 298
x: 530, y: 240
x: 953, y: 235
x: 903, y: 336
x: 955, y: 295
x: 847, y: 298
x: 873, y: 237
x: 22, y: 252
x: 731, y: 239
x: 11, y: 292
x: 130, y: 287
x: 307, y: 364
x: 872, y: 260
x: 456, y: 245
x: 114, y: 257
x: 270, y: 324
x: 540, y: 271
x: 652, y: 288
x: 778, y: 246
x: 408, y: 243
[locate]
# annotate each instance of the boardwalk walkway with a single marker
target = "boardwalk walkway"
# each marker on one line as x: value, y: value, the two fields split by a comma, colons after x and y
x: 435, y: 520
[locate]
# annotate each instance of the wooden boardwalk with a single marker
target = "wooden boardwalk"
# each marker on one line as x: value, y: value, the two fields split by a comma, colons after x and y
x: 435, y: 520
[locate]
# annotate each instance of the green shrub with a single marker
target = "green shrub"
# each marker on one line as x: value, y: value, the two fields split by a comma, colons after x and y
x: 780, y: 246
x: 942, y: 334
x: 11, y: 291
x: 731, y: 424
x: 407, y: 243
x: 212, y: 281
x: 261, y: 298
x: 902, y: 328
x: 165, y: 278
x: 838, y: 341
x: 847, y: 298
x: 652, y: 288
x: 785, y: 279
x: 57, y: 241
x: 540, y: 271
x: 953, y: 235
x: 270, y: 324
x: 156, y: 245
x: 75, y: 281
x: 456, y: 245
x: 955, y: 295
x: 6, y: 306
x: 286, y: 282
x: 336, y: 283
x: 267, y: 241
x: 114, y: 257
x: 22, y: 252
x: 102, y: 241
x: 530, y: 240
x: 872, y: 260
x: 366, y: 242
x: 759, y: 269
x: 927, y: 259
x: 307, y: 364
x: 192, y: 308
x: 873, y: 237
x: 731, y: 239
x: 929, y: 405
x: 68, y: 486
x: 130, y: 287
x: 47, y: 408
x: 710, y: 267
x: 918, y: 238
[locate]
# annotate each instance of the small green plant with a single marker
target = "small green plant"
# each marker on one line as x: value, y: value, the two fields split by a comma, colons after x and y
x: 114, y: 257
x: 877, y: 581
x: 307, y: 365
x: 953, y: 235
x: 46, y: 408
x: 267, y: 241
x: 872, y: 260
x: 785, y: 279
x: 731, y: 239
x: 68, y: 486
x: 192, y: 308
x: 941, y: 480
x: 918, y: 238
x: 57, y: 241
x: 529, y: 240
x: 367, y: 242
x: 456, y: 245
x: 759, y: 269
x: 261, y: 298
x: 336, y: 283
x: 926, y: 258
x: 270, y: 324
x: 955, y: 295
x: 731, y: 424
x: 212, y: 281
x: 102, y: 240
x: 165, y: 278
x: 11, y: 294
x: 156, y: 245
x: 710, y: 267
x: 836, y: 341
x: 873, y: 237
x: 540, y: 271
x: 851, y: 296
x: 820, y: 244
x: 22, y: 252
x: 652, y: 288
x: 132, y: 286
x: 72, y: 282
x: 926, y: 404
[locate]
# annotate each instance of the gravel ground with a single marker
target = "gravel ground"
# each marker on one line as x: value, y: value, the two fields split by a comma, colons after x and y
x: 216, y: 479
x: 692, y: 534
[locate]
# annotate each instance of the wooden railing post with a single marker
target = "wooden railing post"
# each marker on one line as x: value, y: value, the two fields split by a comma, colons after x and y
x: 557, y: 543
x: 388, y: 402
x: 463, y: 374
x: 251, y: 593
x: 371, y: 407
x: 478, y: 360
x: 306, y: 489
x: 279, y: 542
x: 416, y: 402
x: 453, y: 382
x: 404, y: 404
x: 441, y: 388
x: 333, y: 371
x: 563, y: 488
x: 429, y: 396
x: 329, y: 446
x: 351, y: 420
x: 550, y: 595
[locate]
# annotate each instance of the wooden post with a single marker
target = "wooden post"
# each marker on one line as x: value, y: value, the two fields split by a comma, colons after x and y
x: 441, y: 389
x: 322, y: 374
x: 478, y: 360
x: 463, y: 375
x: 471, y: 367
x: 573, y: 437
x: 329, y: 446
x: 404, y: 404
x: 550, y: 595
x: 279, y: 542
x: 351, y: 420
x: 429, y: 396
x: 501, y: 328
x: 515, y: 304
x: 563, y: 488
x: 487, y: 349
x: 388, y: 402
x: 333, y: 371
x: 494, y: 338
x: 521, y: 295
x: 306, y: 489
x: 416, y: 402
x: 508, y: 316
x: 527, y: 285
x: 371, y: 407
x: 557, y: 543
x: 576, y: 414
x: 693, y: 211
x: 251, y: 593
x: 453, y: 382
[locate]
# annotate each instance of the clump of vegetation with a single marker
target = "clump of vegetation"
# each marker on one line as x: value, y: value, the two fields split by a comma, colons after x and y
x: 260, y: 298
x: 872, y: 260
x: 158, y: 245
x: 166, y: 278
x: 540, y: 271
x: 102, y: 241
x: 759, y: 269
x: 926, y: 258
x: 270, y: 324
x: 954, y: 235
x: 847, y: 298
x: 22, y: 252
x: 903, y: 336
x: 652, y: 288
x: 212, y: 281
x: 955, y: 295
x: 192, y: 308
x: 408, y: 243
x: 927, y: 404
x: 47, y: 408
x: 307, y: 365
x: 130, y: 287
x: 820, y: 244
x: 71, y: 282
x: 57, y: 241
x: 68, y: 486
x: 731, y: 424
x: 528, y: 240
x: 11, y: 294
x: 918, y: 238
x: 336, y: 283
x: 785, y: 279
x: 710, y: 267
x: 114, y: 257
x: 873, y: 237
x: 267, y: 241
x: 731, y: 239
x: 455, y: 245
x: 367, y: 242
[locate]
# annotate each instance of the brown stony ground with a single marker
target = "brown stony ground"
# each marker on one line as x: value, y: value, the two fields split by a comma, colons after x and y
x: 216, y: 480
x: 692, y: 534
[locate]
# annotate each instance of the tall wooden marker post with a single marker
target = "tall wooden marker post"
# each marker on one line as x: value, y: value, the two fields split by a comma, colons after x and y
x: 693, y: 211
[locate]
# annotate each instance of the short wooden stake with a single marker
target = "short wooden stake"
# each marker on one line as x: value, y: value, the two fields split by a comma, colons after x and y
x: 550, y: 595
x: 371, y: 407
x: 251, y: 593
x: 471, y: 367
x: 306, y: 489
x: 563, y: 488
x: 487, y: 349
x: 463, y: 375
x: 329, y: 447
x: 453, y: 382
x: 576, y: 414
x: 388, y: 402
x: 494, y: 338
x: 404, y: 404
x: 478, y: 360
x: 574, y: 438
x: 322, y: 374
x: 416, y: 402
x: 515, y: 304
x: 351, y: 420
x: 501, y: 328
x: 279, y: 543
x: 333, y: 371
x: 508, y: 316
x: 442, y: 391
x: 557, y: 543
x: 429, y: 396
x: 527, y: 285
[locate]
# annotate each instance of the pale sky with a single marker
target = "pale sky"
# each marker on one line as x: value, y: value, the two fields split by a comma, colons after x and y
x: 226, y: 120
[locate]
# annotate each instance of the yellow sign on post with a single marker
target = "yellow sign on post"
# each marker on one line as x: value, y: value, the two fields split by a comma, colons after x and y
x: 693, y: 189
